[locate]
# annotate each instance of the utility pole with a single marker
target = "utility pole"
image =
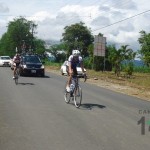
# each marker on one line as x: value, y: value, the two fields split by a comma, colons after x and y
x: 32, y: 36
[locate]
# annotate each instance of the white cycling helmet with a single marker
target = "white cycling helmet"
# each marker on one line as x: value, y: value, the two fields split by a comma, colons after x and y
x: 75, y: 52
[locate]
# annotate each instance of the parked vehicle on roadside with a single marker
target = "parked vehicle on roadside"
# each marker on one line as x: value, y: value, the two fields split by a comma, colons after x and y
x: 63, y: 69
x: 5, y: 61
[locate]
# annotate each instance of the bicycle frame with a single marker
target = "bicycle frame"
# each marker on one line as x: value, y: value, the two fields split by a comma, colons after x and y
x: 76, y: 94
x: 75, y: 82
x: 16, y: 75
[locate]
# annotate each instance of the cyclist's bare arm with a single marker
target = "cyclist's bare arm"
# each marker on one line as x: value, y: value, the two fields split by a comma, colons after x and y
x: 69, y: 68
x: 82, y: 67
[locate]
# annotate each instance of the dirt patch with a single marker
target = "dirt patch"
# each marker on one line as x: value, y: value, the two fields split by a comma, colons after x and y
x: 113, y: 85
x: 132, y: 91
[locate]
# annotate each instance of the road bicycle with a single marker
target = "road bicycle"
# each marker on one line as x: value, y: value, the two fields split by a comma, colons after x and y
x: 75, y: 93
x: 17, y: 74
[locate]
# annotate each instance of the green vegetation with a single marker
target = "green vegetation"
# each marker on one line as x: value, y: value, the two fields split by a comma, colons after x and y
x: 144, y: 41
x: 20, y: 35
x: 143, y: 69
x: 53, y: 64
x: 77, y: 36
x: 138, y: 80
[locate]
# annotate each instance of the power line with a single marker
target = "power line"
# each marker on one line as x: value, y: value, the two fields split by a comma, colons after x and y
x: 90, y: 16
x: 121, y: 20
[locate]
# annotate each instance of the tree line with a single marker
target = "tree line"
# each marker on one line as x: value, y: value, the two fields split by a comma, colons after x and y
x: 21, y: 33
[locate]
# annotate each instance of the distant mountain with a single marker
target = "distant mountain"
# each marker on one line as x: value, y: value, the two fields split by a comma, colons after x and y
x: 51, y: 42
x: 138, y: 63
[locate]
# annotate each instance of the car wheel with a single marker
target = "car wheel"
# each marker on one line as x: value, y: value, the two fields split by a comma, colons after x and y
x: 43, y: 74
x: 62, y: 72
x: 21, y: 72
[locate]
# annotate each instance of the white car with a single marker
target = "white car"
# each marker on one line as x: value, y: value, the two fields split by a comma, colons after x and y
x: 63, y: 69
x: 5, y: 61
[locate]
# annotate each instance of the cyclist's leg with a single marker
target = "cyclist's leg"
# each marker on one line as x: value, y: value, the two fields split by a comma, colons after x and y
x: 66, y: 95
x: 14, y: 71
x: 17, y: 68
x: 69, y: 80
x: 75, y: 71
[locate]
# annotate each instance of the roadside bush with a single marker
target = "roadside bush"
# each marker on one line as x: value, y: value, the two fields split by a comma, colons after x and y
x: 88, y: 63
x: 128, y: 69
x: 143, y: 69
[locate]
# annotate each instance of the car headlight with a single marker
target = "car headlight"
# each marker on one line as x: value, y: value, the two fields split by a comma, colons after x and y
x: 24, y: 66
x: 42, y: 67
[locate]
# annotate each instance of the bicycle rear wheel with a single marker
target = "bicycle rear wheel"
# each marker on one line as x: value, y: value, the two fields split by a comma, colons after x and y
x: 78, y: 96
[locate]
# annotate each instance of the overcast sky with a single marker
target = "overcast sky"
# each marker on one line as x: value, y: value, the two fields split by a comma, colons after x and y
x: 99, y: 15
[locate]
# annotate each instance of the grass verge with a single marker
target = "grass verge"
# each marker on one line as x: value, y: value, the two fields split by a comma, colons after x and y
x: 137, y: 80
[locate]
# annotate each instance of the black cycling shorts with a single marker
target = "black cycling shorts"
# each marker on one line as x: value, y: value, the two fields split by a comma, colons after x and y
x: 17, y: 64
x: 74, y: 70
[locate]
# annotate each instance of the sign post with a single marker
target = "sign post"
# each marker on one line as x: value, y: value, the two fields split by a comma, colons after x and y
x: 100, y: 47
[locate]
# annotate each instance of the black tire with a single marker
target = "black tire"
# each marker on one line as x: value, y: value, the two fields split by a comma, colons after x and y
x: 43, y: 75
x: 16, y: 80
x: 21, y: 72
x: 77, y: 97
x: 62, y: 73
x: 67, y: 97
x: 17, y: 76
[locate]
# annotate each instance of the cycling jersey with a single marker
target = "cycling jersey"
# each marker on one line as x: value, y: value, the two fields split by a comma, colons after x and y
x: 74, y: 61
x: 16, y: 60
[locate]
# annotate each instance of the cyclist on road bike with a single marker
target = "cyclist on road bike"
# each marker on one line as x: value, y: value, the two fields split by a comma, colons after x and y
x: 16, y: 63
x: 73, y: 61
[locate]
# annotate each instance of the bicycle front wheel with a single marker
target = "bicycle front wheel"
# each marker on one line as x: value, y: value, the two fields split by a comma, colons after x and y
x: 67, y: 97
x: 16, y: 76
x: 16, y: 80
x: 78, y: 96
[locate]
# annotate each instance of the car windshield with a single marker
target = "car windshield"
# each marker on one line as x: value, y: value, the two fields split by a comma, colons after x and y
x: 65, y: 63
x: 32, y: 59
x: 5, y: 58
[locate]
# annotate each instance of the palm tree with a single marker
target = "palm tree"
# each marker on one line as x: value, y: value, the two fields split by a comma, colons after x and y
x: 116, y: 57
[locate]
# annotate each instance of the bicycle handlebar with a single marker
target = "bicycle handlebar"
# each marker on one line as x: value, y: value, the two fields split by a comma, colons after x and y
x: 79, y: 76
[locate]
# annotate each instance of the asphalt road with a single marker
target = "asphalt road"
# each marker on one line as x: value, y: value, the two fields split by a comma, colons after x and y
x: 34, y: 116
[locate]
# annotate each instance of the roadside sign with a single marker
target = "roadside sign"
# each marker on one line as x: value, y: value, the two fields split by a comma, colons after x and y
x: 99, y: 45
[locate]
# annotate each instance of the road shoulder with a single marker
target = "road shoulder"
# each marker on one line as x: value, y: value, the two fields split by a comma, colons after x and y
x: 125, y: 89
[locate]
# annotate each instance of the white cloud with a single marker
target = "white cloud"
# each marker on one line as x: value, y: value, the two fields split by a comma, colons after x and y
x: 53, y: 16
x: 3, y: 8
x: 123, y: 4
x: 41, y: 16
